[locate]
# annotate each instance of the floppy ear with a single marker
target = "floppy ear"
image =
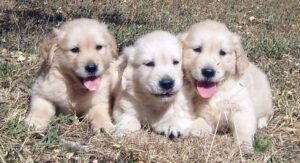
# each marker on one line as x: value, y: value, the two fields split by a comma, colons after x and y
x: 59, y: 34
x: 242, y: 61
x: 127, y: 55
x: 181, y: 37
x: 113, y: 45
x: 47, y: 49
x: 124, y: 64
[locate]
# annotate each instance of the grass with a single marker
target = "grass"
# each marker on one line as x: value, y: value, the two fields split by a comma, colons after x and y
x: 262, y: 143
x: 270, y: 33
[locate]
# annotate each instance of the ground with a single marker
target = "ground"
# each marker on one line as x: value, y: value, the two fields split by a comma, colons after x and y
x: 270, y: 31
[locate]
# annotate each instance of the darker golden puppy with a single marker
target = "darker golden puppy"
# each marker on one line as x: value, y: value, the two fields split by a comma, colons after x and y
x: 77, y: 76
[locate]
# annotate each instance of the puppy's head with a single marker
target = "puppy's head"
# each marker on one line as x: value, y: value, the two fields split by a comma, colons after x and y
x: 212, y: 54
x: 85, y: 49
x: 154, y: 63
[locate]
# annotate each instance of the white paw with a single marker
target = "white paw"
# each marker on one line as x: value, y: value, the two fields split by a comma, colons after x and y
x: 102, y: 125
x: 246, y: 148
x: 262, y: 122
x: 173, y: 128
x: 125, y: 128
x: 200, y: 128
x: 126, y: 124
x: 39, y: 123
x: 199, y: 132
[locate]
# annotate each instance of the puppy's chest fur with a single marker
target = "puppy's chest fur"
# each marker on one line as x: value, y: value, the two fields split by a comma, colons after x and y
x: 231, y: 96
x: 151, y: 114
x: 68, y: 96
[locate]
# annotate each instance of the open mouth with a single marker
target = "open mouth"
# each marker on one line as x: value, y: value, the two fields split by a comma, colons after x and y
x: 206, y: 89
x: 164, y: 95
x: 91, y: 83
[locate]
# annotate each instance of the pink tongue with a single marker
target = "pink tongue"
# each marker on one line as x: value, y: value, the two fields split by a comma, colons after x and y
x: 91, y: 83
x: 206, y: 89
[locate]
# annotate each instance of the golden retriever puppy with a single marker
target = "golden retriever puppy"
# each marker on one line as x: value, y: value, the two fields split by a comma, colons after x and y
x: 229, y: 91
x: 152, y: 87
x: 77, y: 75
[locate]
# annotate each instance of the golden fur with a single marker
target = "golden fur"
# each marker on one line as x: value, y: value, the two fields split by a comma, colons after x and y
x: 242, y: 100
x: 59, y: 85
x: 154, y: 57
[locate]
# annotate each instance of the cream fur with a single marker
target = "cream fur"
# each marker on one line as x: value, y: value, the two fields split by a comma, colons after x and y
x: 243, y: 99
x: 137, y: 104
x: 57, y: 88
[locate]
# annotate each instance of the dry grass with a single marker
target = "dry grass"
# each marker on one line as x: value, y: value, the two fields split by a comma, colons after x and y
x: 271, y: 39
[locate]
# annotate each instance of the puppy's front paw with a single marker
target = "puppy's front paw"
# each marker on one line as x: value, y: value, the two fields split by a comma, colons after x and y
x: 246, y: 148
x: 200, y: 127
x: 173, y: 128
x: 38, y: 122
x: 105, y: 125
x: 123, y: 128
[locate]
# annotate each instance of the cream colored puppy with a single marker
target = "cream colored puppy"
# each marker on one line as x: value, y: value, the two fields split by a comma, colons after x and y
x: 77, y: 75
x: 152, y: 87
x: 229, y: 91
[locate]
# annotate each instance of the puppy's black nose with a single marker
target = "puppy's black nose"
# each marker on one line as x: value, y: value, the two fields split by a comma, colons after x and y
x: 208, y: 72
x: 166, y: 84
x: 91, y: 68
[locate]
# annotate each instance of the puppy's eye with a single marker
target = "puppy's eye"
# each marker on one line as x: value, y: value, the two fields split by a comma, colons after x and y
x: 222, y: 53
x: 175, y: 62
x: 99, y: 47
x: 198, y: 50
x: 149, y: 64
x: 75, y: 50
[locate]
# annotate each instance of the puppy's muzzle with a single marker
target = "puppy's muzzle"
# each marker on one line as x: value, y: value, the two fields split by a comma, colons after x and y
x: 166, y: 84
x: 208, y: 72
x: 91, y: 68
